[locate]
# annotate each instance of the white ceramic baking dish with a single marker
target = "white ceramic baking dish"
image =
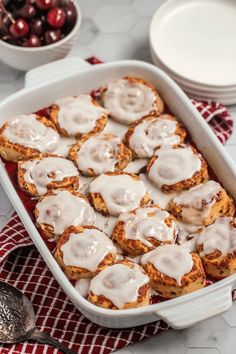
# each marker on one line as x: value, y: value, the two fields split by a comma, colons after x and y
x: 72, y: 76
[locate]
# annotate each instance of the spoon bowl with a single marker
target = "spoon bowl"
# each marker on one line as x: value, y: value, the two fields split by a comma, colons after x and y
x: 17, y: 319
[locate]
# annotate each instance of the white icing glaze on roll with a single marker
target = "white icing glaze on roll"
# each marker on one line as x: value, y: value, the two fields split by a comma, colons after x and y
x: 82, y: 286
x: 136, y: 166
x: 47, y: 170
x: 120, y: 193
x: 63, y: 210
x: 160, y: 198
x: 174, y: 165
x: 78, y: 115
x: 151, y: 134
x: 186, y: 231
x: 127, y: 102
x: 99, y: 153
x: 64, y: 146
x: 219, y: 236
x: 27, y: 131
x: 87, y: 249
x: 197, y: 201
x: 171, y: 260
x: 119, y: 283
x: 148, y: 222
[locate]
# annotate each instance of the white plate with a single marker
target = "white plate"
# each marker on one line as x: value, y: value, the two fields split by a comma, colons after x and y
x: 192, y: 85
x: 196, y: 40
x: 226, y: 96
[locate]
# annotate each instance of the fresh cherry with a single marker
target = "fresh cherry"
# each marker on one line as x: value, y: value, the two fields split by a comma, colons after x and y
x: 33, y: 41
x: 56, y: 17
x: 70, y: 12
x: 19, y: 29
x: 28, y: 11
x: 37, y: 26
x: 52, y: 36
x: 44, y: 4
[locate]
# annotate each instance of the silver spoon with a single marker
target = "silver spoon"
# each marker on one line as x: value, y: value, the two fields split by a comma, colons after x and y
x: 17, y: 319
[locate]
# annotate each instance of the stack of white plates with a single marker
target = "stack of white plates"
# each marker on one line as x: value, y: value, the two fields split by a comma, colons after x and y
x: 194, y: 41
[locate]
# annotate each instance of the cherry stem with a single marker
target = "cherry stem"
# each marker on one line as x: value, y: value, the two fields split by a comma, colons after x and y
x: 9, y: 15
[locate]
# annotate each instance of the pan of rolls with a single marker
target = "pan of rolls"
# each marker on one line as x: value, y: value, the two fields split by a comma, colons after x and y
x: 118, y: 184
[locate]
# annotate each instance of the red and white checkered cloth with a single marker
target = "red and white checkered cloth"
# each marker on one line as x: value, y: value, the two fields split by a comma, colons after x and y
x: 23, y: 267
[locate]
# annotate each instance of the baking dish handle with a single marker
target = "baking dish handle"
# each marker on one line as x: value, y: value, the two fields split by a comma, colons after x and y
x: 54, y: 71
x: 189, y: 313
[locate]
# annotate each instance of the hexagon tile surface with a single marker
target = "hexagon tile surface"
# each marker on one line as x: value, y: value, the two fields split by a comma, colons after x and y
x: 208, y: 333
x: 115, y: 18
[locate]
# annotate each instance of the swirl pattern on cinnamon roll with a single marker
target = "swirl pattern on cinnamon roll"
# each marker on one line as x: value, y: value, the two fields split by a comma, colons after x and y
x: 120, y: 286
x: 76, y: 116
x: 217, y: 247
x: 150, y: 133
x: 58, y: 209
x: 143, y: 229
x: 36, y: 176
x: 100, y: 153
x: 175, y: 169
x: 113, y: 193
x: 84, y: 251
x: 202, y: 204
x: 130, y: 99
x: 27, y: 136
x: 173, y: 270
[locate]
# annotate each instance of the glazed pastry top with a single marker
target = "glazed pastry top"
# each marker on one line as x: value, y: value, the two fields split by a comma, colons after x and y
x: 197, y: 201
x: 49, y: 169
x: 121, y: 193
x: 119, y: 283
x: 219, y: 236
x: 99, y: 153
x: 27, y: 131
x: 78, y: 114
x: 174, y: 165
x: 63, y: 210
x: 148, y: 222
x: 127, y: 101
x: 199, y: 196
x: 87, y: 249
x: 171, y: 260
x: 151, y: 134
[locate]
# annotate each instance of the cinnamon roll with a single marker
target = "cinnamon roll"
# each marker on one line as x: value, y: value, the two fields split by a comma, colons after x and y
x: 202, y: 204
x: 83, y: 251
x: 27, y: 136
x: 58, y: 209
x: 123, y: 285
x: 130, y: 99
x: 217, y: 247
x: 143, y: 229
x: 77, y: 116
x: 113, y: 193
x: 150, y: 133
x: 100, y: 153
x: 40, y: 174
x: 173, y: 270
x: 175, y: 169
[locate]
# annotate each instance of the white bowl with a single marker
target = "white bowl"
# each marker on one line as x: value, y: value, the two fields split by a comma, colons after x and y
x: 22, y: 58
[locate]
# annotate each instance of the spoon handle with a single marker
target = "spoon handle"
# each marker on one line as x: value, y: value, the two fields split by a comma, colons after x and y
x: 44, y: 338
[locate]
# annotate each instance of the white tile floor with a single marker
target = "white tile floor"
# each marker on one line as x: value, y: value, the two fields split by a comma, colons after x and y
x: 112, y: 30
